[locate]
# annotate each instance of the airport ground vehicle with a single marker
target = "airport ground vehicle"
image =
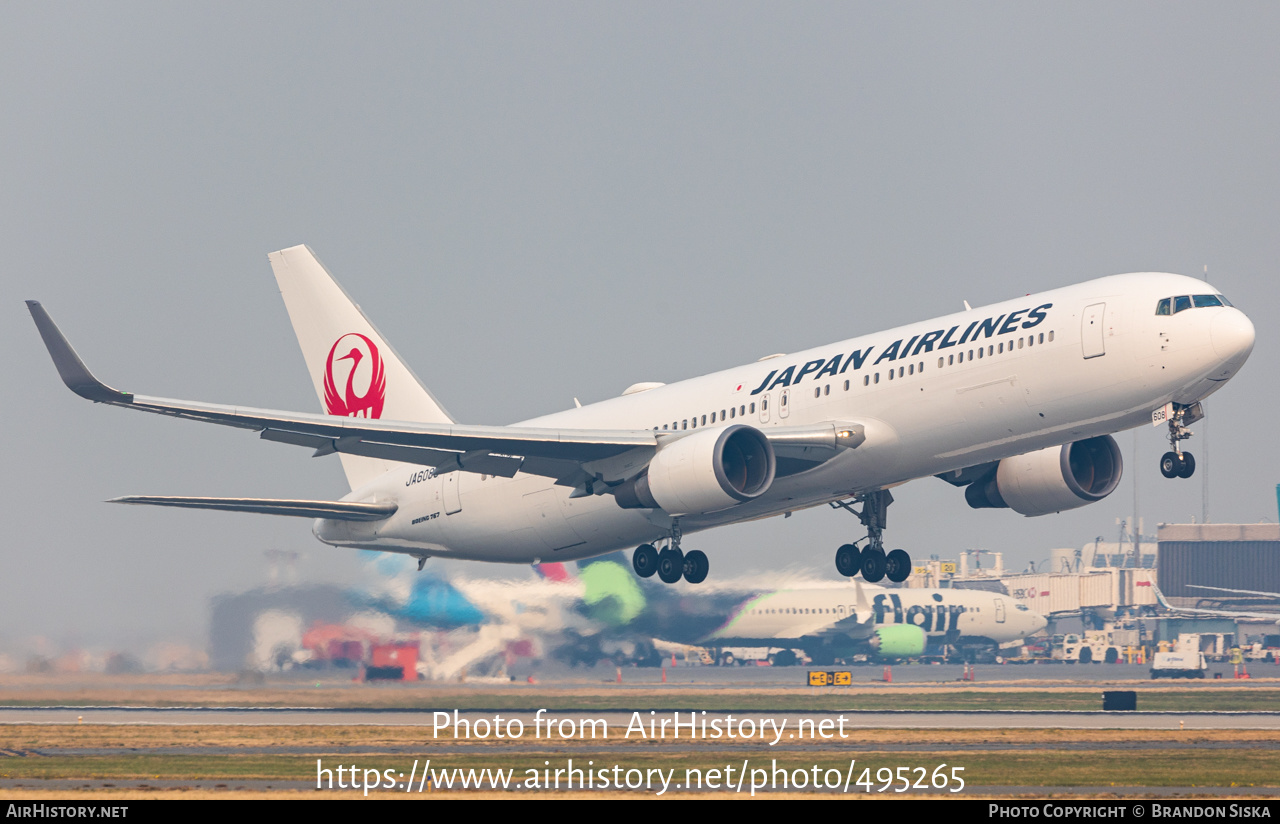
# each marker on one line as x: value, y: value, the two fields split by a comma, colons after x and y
x: 1178, y: 665
x: 1093, y: 647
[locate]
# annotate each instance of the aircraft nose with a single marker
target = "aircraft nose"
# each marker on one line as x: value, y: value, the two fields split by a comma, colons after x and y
x: 1232, y: 335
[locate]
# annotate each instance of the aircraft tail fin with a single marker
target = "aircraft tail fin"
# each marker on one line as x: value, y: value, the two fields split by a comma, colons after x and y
x: 355, y: 371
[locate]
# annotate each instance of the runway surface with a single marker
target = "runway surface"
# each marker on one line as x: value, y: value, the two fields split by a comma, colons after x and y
x: 880, y: 719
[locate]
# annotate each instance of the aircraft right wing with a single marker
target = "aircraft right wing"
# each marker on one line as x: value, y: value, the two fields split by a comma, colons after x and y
x: 573, y: 457
x: 1223, y: 613
x: 1237, y: 591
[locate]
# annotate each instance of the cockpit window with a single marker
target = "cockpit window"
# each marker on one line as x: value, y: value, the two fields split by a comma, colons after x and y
x: 1172, y: 306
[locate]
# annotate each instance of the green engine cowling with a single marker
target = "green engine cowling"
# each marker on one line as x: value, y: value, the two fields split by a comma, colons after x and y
x: 899, y: 641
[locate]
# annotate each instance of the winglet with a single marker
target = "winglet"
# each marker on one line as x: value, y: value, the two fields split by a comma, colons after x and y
x: 71, y: 369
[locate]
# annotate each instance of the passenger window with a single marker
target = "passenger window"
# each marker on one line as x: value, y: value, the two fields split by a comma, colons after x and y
x: 684, y: 424
x: 866, y: 380
x: 877, y: 377
x: 1042, y: 337
x: 991, y: 350
x: 891, y: 371
x: 817, y: 391
x: 1181, y: 302
x: 826, y: 389
x: 704, y: 420
x: 753, y: 408
x: 912, y: 369
x: 846, y: 386
x: 713, y: 417
x: 1050, y: 336
x: 1019, y: 343
x: 733, y: 412
x: 743, y: 410
x: 980, y: 354
x: 1163, y: 307
x: 1001, y: 348
x: 722, y: 416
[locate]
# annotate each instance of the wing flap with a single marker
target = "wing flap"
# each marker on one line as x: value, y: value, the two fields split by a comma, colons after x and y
x: 333, y: 510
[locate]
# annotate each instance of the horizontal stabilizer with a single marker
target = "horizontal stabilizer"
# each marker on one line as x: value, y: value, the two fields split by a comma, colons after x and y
x: 333, y: 510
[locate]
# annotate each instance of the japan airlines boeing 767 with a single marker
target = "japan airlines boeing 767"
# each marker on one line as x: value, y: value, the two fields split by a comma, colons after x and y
x: 1015, y: 401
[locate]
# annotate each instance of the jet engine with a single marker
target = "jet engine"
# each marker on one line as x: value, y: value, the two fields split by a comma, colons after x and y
x: 1051, y: 480
x: 703, y: 472
x: 898, y: 641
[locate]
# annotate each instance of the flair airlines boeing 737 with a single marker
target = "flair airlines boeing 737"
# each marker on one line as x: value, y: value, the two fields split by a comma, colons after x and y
x: 1015, y: 401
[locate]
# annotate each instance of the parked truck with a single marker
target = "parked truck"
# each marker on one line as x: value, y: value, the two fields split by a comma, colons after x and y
x: 1178, y: 665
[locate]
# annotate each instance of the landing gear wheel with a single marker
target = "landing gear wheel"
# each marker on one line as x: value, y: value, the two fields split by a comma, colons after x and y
x: 1188, y: 467
x: 1169, y: 464
x: 873, y: 566
x: 645, y: 560
x: 898, y: 566
x: 670, y: 565
x: 848, y: 560
x: 696, y: 566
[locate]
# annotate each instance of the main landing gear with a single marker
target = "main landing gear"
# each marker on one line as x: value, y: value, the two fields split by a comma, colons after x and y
x: 1179, y: 464
x: 671, y: 564
x: 872, y: 561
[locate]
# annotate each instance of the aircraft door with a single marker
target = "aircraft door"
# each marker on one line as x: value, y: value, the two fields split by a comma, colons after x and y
x: 784, y: 403
x: 999, y: 610
x: 764, y: 408
x: 452, y: 493
x: 1091, y: 327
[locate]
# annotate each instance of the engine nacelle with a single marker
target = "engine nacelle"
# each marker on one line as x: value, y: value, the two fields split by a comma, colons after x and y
x: 898, y: 641
x: 704, y: 472
x: 1051, y: 480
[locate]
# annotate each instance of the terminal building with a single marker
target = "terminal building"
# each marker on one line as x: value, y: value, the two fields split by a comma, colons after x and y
x: 1117, y: 583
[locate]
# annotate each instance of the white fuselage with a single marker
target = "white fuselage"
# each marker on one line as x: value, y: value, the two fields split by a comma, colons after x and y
x: 933, y: 397
x: 790, y: 615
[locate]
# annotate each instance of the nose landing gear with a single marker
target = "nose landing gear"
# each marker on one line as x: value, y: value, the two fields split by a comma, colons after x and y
x: 1176, y: 463
x: 872, y: 561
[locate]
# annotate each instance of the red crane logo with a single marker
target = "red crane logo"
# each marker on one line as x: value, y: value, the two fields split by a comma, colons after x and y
x: 349, y: 404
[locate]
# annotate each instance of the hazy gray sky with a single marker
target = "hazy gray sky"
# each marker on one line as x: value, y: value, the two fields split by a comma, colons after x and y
x: 537, y: 201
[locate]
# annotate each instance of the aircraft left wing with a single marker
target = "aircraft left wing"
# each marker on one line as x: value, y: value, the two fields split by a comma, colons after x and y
x: 573, y: 457
x: 333, y: 510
